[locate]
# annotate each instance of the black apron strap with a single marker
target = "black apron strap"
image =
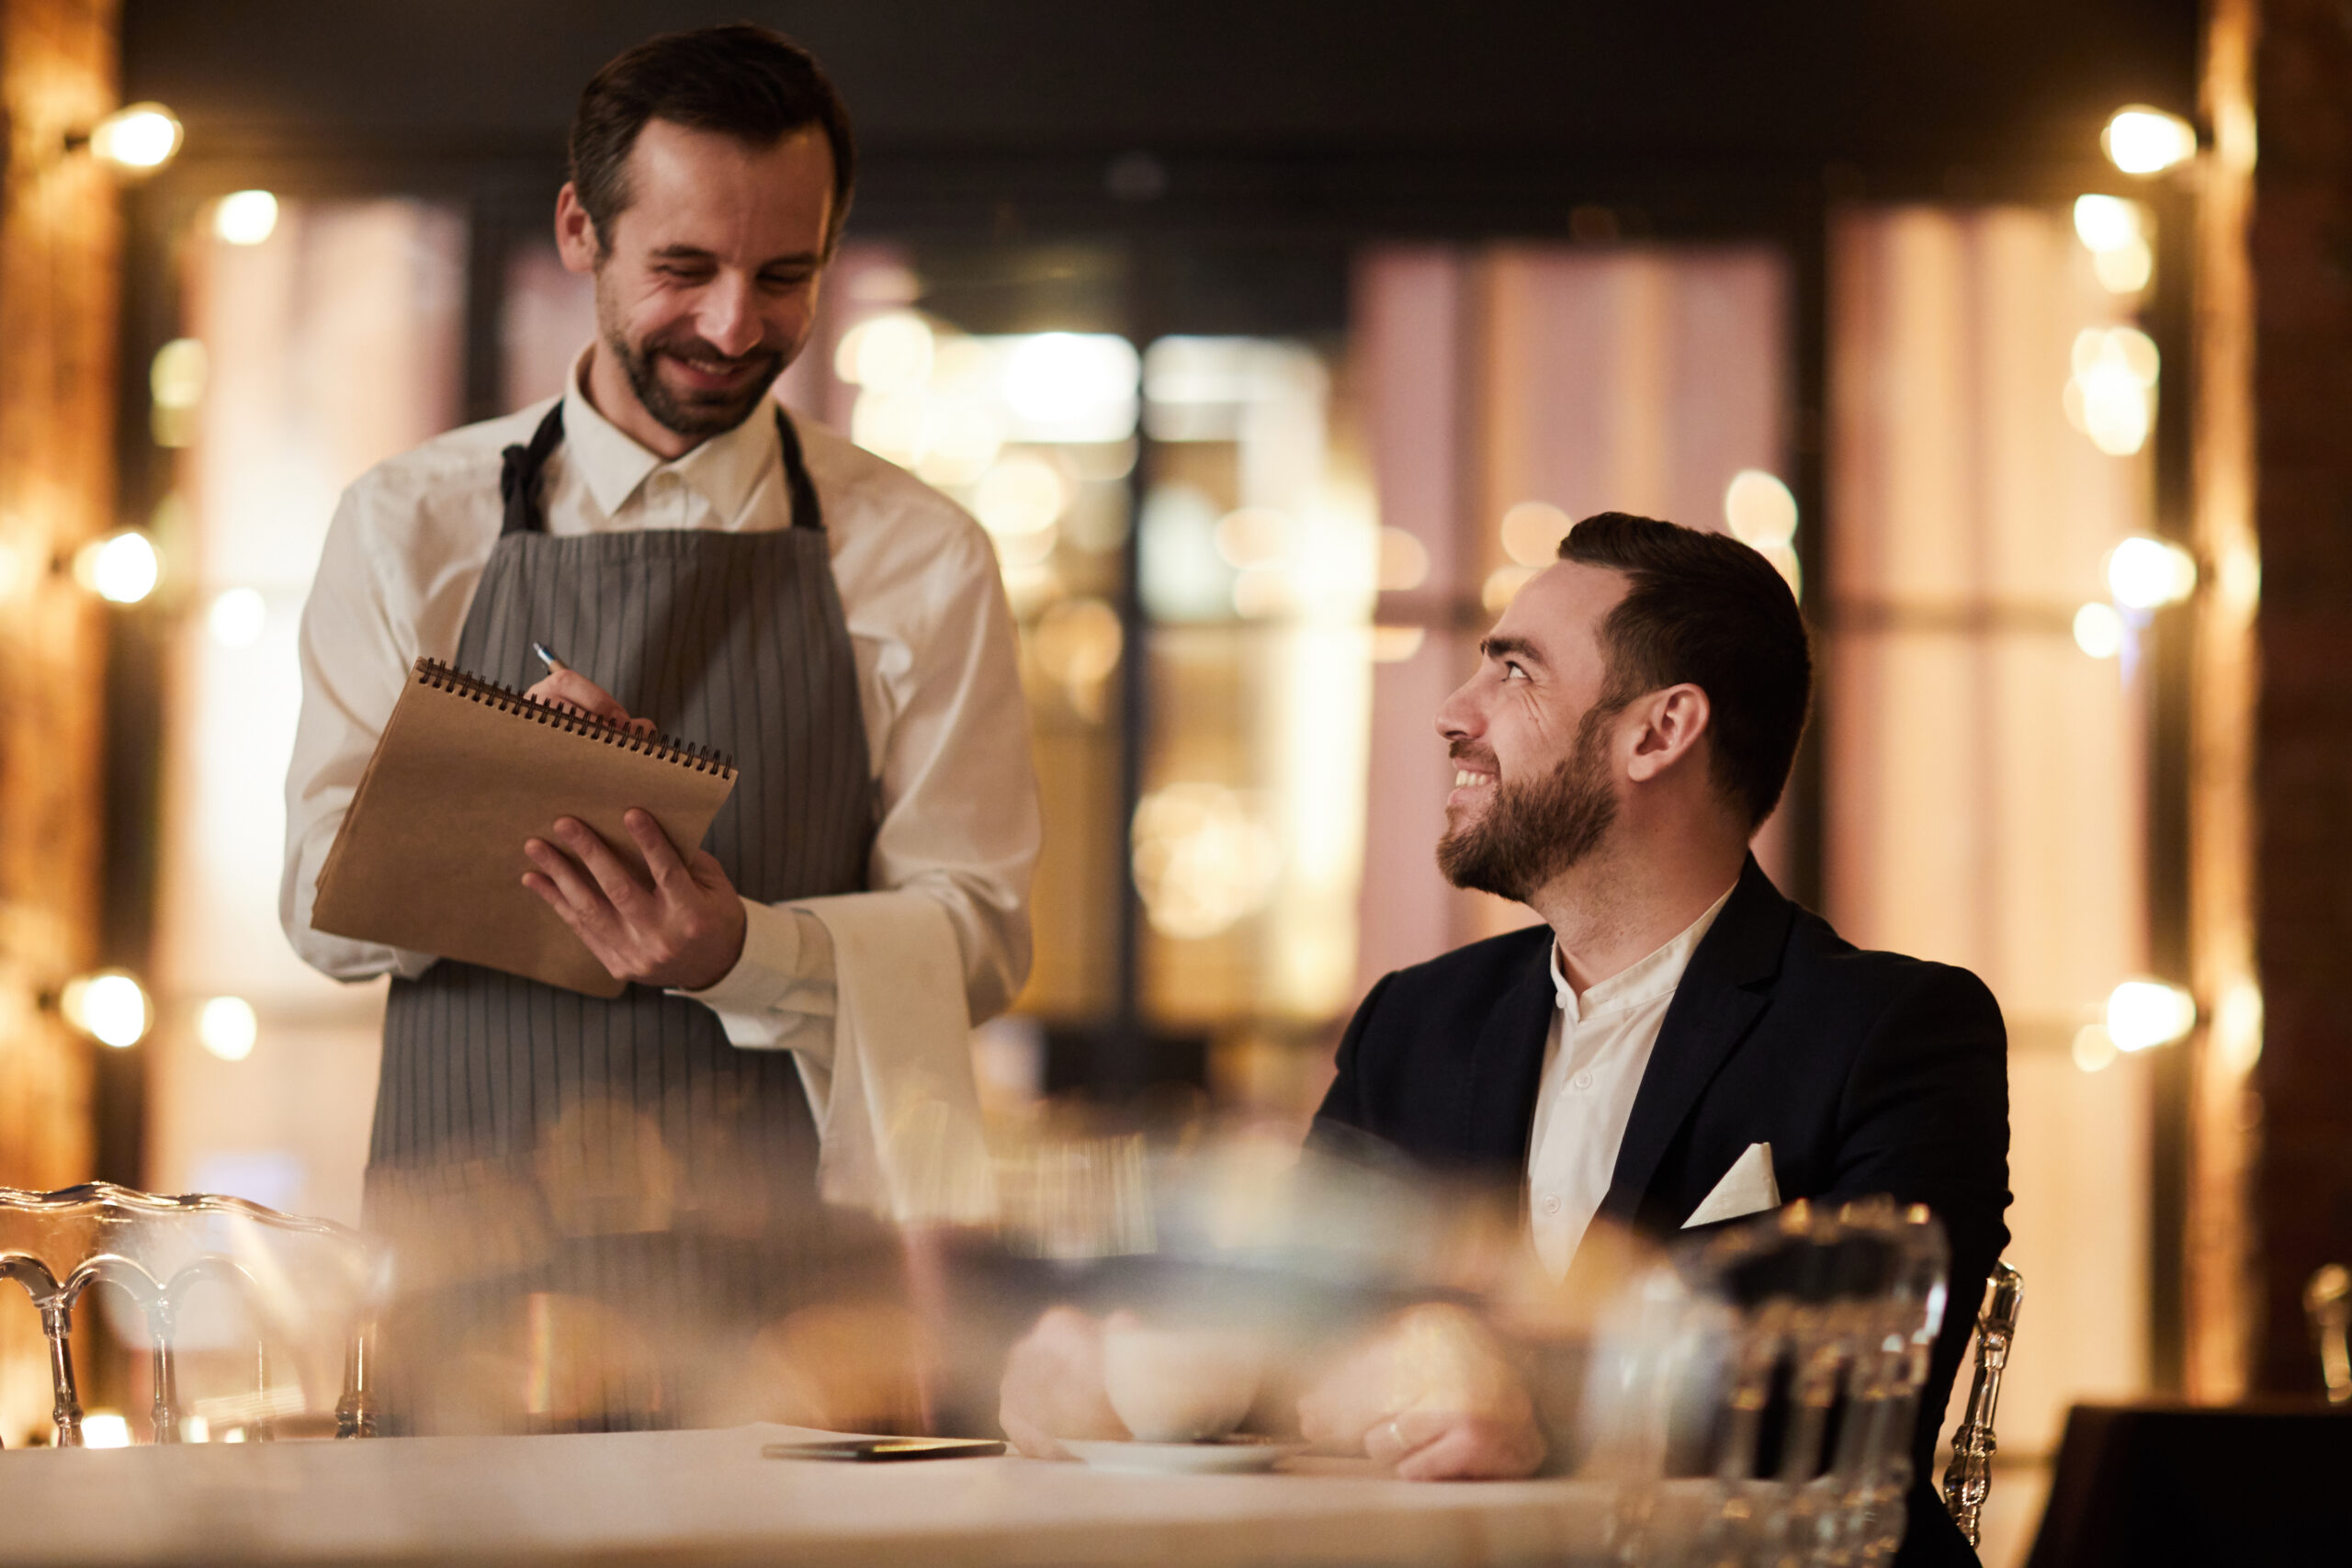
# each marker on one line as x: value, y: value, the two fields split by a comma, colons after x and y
x: 806, y: 513
x: 521, y: 467
x: 518, y: 475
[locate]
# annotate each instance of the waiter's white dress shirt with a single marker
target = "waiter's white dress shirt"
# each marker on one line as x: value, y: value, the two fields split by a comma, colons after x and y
x: 1593, y: 1062
x: 875, y: 991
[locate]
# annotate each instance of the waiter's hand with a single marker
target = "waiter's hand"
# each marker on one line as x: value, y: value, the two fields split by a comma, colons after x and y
x: 569, y: 689
x: 683, y: 930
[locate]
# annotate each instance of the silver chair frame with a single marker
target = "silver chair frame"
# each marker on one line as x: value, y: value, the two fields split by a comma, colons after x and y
x: 1968, y: 1480
x: 56, y: 1244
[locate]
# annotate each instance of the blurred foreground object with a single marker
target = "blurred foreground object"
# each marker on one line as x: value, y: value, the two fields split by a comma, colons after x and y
x: 1809, y: 1334
x: 1969, y: 1481
x: 2328, y: 1301
x: 305, y: 1283
x: 621, y: 1275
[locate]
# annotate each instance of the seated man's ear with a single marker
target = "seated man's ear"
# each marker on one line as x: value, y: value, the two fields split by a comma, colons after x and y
x: 1671, y: 719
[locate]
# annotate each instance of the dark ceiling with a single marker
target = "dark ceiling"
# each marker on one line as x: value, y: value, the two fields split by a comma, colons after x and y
x: 1874, y: 84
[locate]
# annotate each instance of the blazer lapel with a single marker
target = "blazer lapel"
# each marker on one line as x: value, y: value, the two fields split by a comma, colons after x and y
x: 1505, y: 1069
x: 1719, y: 1000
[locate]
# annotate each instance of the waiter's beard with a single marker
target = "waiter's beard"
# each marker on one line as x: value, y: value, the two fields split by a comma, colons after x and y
x: 695, y: 414
x: 1534, y: 830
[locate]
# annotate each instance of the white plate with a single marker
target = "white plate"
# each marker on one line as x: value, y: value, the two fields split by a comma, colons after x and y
x: 1234, y: 1456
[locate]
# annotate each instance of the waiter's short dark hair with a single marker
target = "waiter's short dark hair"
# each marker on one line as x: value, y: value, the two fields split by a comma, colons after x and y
x: 738, y: 80
x: 1705, y: 609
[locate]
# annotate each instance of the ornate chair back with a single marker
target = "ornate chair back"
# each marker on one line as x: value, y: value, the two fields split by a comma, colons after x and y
x: 1968, y: 1480
x: 1799, y: 1341
x: 301, y: 1280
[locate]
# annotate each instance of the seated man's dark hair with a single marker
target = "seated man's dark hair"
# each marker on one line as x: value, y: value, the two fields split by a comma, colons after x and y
x: 1705, y: 609
x: 738, y: 80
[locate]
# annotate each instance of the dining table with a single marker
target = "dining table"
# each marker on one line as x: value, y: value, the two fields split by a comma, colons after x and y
x: 679, y: 1498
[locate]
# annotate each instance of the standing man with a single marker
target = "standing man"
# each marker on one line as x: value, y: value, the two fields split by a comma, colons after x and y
x: 801, y: 986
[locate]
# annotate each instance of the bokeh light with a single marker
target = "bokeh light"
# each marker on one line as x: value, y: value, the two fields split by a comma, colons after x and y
x: 2141, y: 1014
x: 1532, y: 531
x: 137, y: 138
x: 2098, y: 630
x: 2147, y: 574
x: 122, y: 569
x: 226, y: 1027
x: 237, y: 618
x: 2143, y: 141
x: 1759, y: 509
x: 246, y: 217
x: 110, y: 1007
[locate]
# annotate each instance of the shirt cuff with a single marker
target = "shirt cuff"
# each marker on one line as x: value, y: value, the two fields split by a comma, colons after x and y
x: 780, y: 995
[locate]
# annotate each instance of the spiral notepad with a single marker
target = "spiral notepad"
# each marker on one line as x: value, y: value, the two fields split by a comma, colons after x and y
x: 430, y: 855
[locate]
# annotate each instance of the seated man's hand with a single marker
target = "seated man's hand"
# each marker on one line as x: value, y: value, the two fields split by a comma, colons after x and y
x: 1434, y: 1397
x: 1053, y: 1387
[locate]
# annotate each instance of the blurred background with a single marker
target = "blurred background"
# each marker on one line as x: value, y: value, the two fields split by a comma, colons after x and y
x: 1275, y: 344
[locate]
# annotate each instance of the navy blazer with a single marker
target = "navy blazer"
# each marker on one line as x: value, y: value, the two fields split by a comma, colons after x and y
x: 1868, y: 1073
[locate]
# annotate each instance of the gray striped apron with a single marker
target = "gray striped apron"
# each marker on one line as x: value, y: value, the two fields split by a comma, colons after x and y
x: 668, y: 1178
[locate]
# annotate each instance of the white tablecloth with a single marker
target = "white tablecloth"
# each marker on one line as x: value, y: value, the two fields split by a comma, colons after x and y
x: 681, y: 1498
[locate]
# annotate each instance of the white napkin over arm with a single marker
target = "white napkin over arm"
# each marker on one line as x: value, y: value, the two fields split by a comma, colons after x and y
x: 1747, y: 1188
x: 897, y: 1111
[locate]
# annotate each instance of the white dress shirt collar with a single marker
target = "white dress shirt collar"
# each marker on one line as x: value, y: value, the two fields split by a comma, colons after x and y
x: 723, y: 470
x: 1653, y: 977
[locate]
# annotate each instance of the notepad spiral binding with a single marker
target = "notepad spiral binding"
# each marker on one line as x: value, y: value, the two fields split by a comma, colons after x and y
x: 441, y: 677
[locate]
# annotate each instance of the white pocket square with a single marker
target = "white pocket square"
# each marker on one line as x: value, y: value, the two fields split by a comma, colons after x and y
x: 1747, y: 1188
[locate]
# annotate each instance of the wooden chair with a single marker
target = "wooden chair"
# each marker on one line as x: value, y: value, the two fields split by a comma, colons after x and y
x: 1968, y: 1481
x: 299, y: 1277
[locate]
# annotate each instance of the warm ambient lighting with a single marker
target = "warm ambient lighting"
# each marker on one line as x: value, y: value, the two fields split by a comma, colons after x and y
x: 2094, y: 1048
x: 2145, y: 1013
x: 2116, y: 233
x: 2098, y: 630
x: 1762, y: 515
x: 110, y: 1007
x: 238, y: 618
x: 104, y: 1430
x: 2147, y: 574
x: 122, y: 569
x: 2112, y: 396
x: 227, y: 1027
x: 138, y: 138
x: 889, y: 353
x: 246, y: 217
x: 1531, y: 532
x: 2143, y: 141
x: 1072, y: 379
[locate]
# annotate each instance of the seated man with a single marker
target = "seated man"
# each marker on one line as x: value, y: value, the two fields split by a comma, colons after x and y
x: 1678, y: 1043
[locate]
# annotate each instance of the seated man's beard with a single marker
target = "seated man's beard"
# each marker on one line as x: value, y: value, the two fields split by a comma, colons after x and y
x: 1537, y: 828
x: 692, y: 413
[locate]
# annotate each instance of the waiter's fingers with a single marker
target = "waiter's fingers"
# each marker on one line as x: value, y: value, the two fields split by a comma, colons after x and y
x: 626, y: 894
x: 593, y: 927
x: 669, y: 874
x: 571, y: 893
x: 569, y: 688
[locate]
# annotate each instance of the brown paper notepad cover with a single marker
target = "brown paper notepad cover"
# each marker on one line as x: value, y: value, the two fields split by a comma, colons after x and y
x: 430, y: 855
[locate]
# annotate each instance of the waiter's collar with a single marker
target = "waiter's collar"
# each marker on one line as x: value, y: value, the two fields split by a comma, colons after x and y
x: 723, y: 470
x: 1653, y: 978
